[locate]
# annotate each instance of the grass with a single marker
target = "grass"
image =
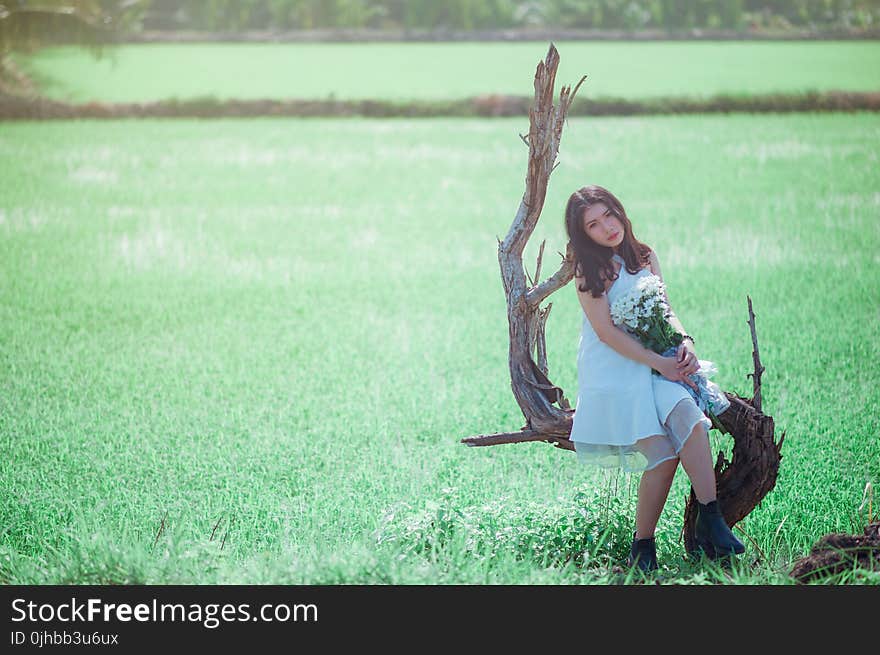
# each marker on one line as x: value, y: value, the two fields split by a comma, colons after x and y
x: 447, y: 71
x: 272, y: 334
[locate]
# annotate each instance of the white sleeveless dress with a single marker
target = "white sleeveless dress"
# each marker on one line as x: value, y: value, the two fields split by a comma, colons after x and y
x: 625, y: 415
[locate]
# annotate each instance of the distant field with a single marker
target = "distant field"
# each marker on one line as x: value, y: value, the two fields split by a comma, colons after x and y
x: 273, y: 334
x: 631, y: 70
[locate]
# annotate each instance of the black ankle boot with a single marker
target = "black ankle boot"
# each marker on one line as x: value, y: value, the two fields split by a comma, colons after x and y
x: 643, y: 554
x: 712, y: 534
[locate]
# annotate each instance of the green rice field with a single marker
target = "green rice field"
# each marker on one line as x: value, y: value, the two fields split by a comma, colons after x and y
x: 438, y: 71
x: 245, y: 351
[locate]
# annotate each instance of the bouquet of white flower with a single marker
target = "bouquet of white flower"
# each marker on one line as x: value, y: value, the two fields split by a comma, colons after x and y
x: 644, y: 313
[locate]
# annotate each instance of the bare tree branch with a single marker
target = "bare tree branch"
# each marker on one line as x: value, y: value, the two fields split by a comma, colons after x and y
x: 543, y: 404
x: 558, y: 280
x: 522, y: 436
x: 756, y: 359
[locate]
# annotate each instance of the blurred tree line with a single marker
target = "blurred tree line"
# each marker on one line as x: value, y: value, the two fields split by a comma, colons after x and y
x: 465, y: 15
x: 26, y: 25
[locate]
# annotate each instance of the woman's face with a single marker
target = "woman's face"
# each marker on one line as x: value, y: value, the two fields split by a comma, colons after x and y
x: 602, y: 226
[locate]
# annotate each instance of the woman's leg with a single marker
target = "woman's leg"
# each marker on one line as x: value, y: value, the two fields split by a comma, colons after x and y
x: 653, y: 491
x: 696, y: 459
x: 712, y: 534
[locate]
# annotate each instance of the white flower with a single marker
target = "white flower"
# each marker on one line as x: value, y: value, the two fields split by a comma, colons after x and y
x: 635, y: 308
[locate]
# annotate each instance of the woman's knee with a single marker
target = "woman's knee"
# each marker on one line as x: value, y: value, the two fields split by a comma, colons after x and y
x: 668, y: 466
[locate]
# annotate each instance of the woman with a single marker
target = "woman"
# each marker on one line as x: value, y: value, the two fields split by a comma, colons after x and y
x: 625, y: 416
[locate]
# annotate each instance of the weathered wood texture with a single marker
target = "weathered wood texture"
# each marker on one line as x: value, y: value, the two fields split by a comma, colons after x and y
x: 836, y: 553
x: 543, y: 403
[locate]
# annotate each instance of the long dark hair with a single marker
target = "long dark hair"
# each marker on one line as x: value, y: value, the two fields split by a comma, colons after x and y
x: 592, y: 261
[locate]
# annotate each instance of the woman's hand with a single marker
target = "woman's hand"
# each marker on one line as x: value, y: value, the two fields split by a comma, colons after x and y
x: 687, y: 359
x: 669, y: 368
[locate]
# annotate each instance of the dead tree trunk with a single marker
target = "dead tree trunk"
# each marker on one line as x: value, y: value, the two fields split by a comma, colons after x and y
x: 533, y: 390
x: 744, y: 481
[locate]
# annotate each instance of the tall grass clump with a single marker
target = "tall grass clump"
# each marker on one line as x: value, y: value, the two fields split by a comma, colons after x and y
x: 585, y: 529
